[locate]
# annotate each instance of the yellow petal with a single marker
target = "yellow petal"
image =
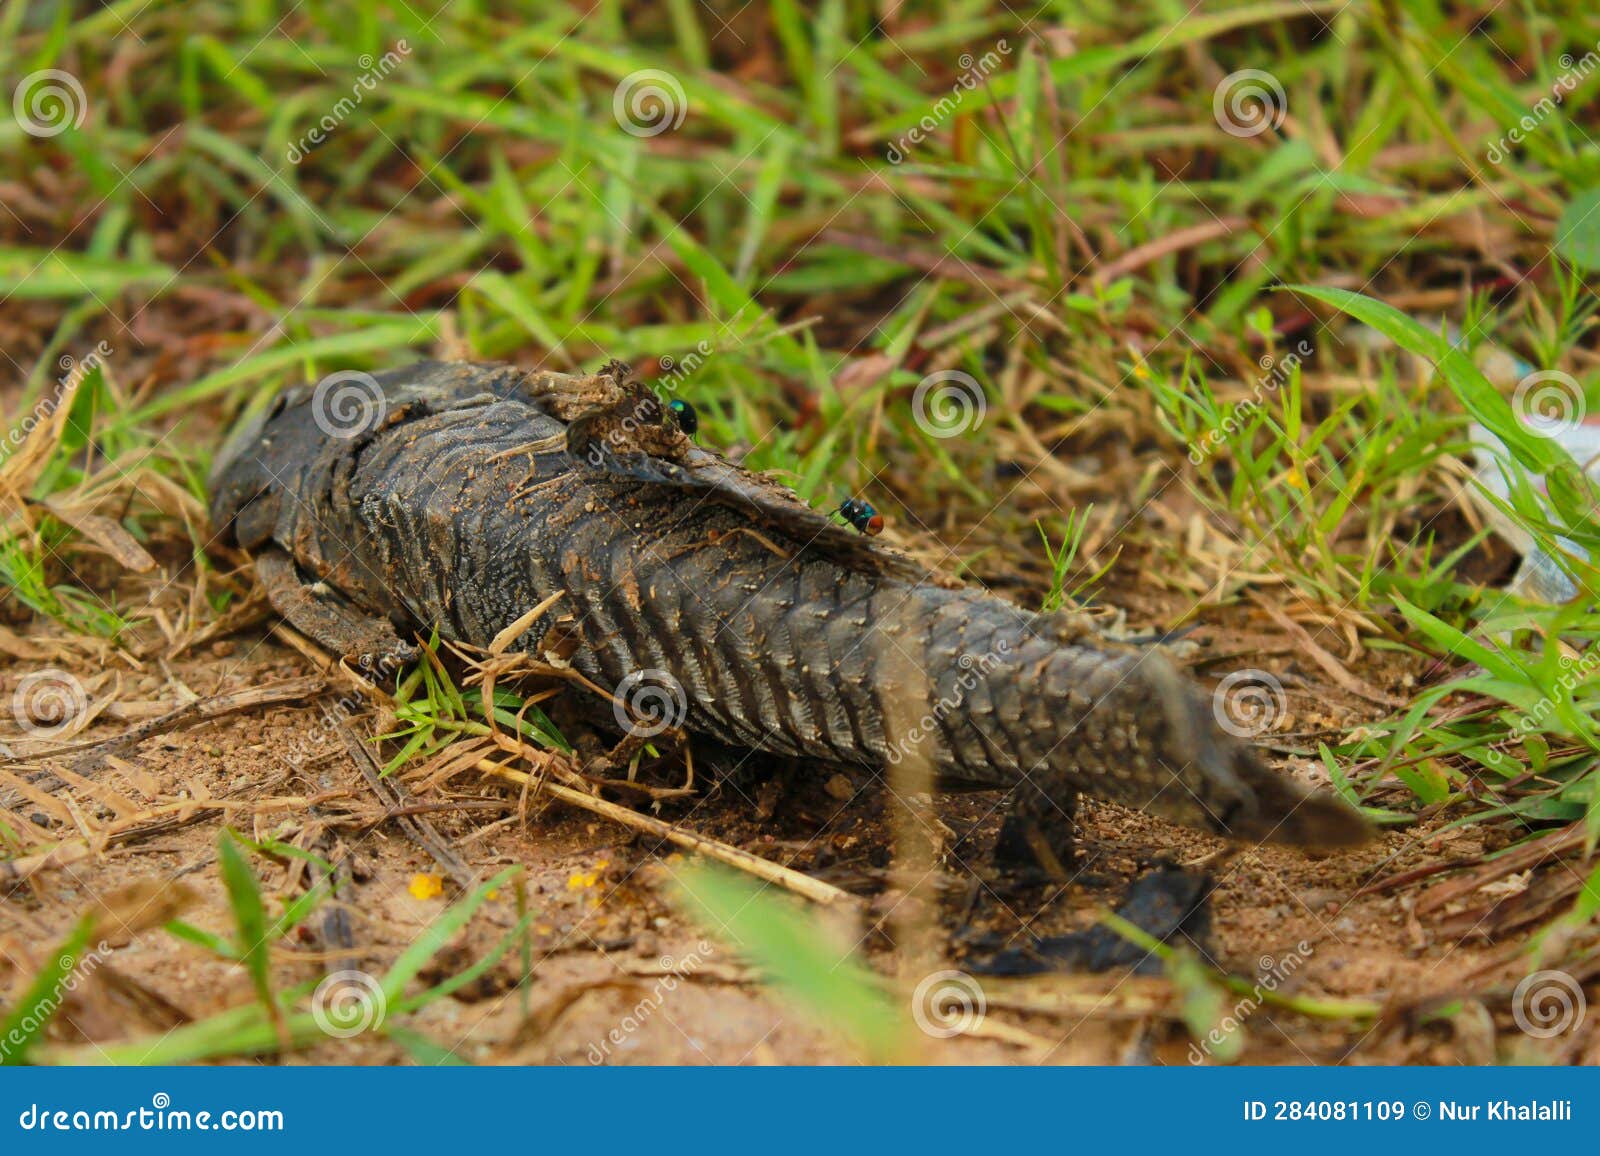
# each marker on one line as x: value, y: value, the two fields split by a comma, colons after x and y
x: 424, y: 886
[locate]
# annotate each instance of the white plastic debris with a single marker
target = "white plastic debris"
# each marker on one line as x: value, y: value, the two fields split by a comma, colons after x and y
x: 1540, y: 578
x: 1549, y: 404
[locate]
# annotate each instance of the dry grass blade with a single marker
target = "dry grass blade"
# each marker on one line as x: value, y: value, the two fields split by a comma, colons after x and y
x: 813, y: 889
x: 417, y: 827
x: 87, y: 754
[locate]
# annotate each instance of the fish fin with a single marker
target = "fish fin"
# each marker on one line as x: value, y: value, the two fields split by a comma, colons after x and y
x: 1286, y: 812
x: 330, y: 619
x: 635, y: 439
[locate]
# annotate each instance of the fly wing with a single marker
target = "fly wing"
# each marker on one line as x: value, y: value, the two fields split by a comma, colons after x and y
x: 776, y: 504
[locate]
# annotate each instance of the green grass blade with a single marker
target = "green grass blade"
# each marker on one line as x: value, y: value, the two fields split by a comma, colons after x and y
x: 831, y: 985
x: 250, y: 919
x: 26, y: 1024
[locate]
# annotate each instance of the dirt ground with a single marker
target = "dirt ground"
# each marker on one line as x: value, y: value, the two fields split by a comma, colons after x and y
x: 1323, y: 929
x: 1103, y: 248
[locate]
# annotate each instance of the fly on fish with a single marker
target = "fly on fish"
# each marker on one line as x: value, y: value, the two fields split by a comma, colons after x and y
x: 688, y: 419
x: 862, y: 515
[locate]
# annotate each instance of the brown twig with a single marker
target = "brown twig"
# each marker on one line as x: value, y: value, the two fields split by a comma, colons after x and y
x: 1322, y: 658
x: 785, y: 877
x: 189, y: 714
x: 394, y: 799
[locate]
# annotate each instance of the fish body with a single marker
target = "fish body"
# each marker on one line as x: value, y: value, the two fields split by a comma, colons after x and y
x: 467, y: 494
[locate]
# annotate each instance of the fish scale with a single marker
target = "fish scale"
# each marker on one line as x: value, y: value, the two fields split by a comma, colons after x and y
x: 484, y: 490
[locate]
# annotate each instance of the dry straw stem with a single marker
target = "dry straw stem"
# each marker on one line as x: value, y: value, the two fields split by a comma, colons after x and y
x: 192, y: 713
x: 417, y: 828
x: 785, y: 877
x: 764, y: 869
x: 72, y: 766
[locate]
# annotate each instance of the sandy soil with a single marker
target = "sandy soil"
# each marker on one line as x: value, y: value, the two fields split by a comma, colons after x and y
x: 1323, y: 928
